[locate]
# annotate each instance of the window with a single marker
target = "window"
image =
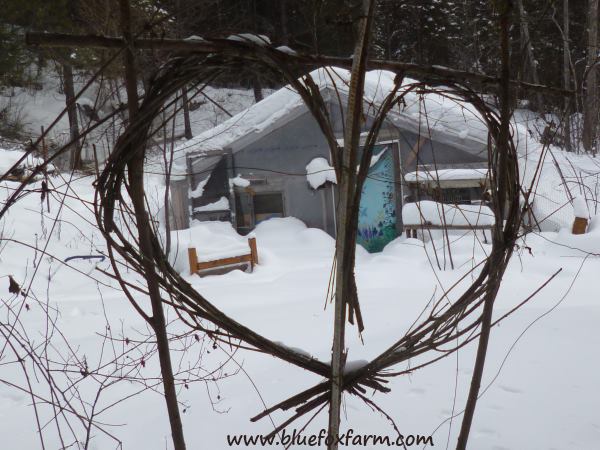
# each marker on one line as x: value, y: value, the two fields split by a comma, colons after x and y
x: 267, y: 206
x: 456, y: 195
x: 243, y: 211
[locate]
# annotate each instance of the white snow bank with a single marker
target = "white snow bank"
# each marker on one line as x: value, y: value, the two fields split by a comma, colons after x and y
x: 280, y: 228
x: 9, y: 157
x: 594, y: 225
x: 318, y: 172
x: 447, y: 174
x: 291, y: 234
x: 220, y: 205
x: 283, y: 300
x: 427, y: 212
x: 566, y: 244
x: 215, y: 239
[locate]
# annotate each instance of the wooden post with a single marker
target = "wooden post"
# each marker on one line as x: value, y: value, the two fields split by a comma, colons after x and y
x: 135, y: 167
x: 96, y: 164
x: 193, y: 258
x: 579, y: 225
x: 45, y: 157
x: 253, y: 252
x: 397, y: 186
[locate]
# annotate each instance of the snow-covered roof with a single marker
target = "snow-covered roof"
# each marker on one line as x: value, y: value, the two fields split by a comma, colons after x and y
x: 428, y: 212
x: 444, y: 119
x: 220, y: 205
x: 446, y: 175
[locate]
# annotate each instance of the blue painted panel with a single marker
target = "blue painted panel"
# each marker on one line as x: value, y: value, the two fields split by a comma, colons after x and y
x: 377, y: 212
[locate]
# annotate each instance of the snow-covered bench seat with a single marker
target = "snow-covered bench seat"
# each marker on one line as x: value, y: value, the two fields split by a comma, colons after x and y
x: 217, y: 266
x: 430, y: 215
x: 449, y: 177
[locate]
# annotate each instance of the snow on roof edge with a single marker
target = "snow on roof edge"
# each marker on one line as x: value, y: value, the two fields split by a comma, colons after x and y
x: 275, y: 110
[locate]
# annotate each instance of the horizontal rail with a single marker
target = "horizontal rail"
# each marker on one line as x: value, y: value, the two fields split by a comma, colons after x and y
x: 240, y: 48
x: 224, y: 263
x: 448, y: 227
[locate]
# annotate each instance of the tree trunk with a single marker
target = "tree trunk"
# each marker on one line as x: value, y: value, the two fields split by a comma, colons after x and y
x: 566, y: 77
x: 285, y: 37
x: 136, y: 192
x: 187, y: 126
x: 69, y: 88
x: 490, y: 294
x: 257, y: 88
x: 186, y: 114
x: 528, y: 49
x: 345, y: 288
x: 590, y: 106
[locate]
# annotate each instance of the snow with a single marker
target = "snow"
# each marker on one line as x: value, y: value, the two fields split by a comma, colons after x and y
x: 212, y: 240
x: 259, y: 39
x: 253, y: 120
x: 199, y: 190
x: 374, y: 159
x: 319, y: 172
x: 9, y: 159
x: 552, y: 205
x: 580, y: 207
x: 531, y: 369
x: 287, y: 50
x: 446, y: 174
x: 447, y: 119
x: 354, y: 365
x: 432, y: 213
x: 240, y: 181
x: 594, y: 224
x: 220, y: 205
x: 295, y: 349
x: 194, y: 38
x: 537, y: 376
x: 37, y: 108
x: 86, y: 101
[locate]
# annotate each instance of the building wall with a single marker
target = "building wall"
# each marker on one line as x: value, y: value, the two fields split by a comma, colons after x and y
x: 277, y: 163
x: 280, y: 158
x: 415, y: 149
x: 179, y: 210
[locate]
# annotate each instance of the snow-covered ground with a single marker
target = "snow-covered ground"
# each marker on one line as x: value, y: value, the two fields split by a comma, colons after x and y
x: 39, y: 108
x: 541, y: 387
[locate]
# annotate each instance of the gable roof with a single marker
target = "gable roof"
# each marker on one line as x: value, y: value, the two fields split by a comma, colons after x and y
x: 432, y: 115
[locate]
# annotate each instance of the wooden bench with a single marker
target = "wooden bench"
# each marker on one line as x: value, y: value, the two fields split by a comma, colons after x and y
x: 223, y: 265
x: 411, y: 229
x: 429, y: 215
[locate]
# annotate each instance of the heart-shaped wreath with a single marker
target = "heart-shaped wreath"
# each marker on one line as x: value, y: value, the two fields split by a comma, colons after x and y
x: 446, y: 322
